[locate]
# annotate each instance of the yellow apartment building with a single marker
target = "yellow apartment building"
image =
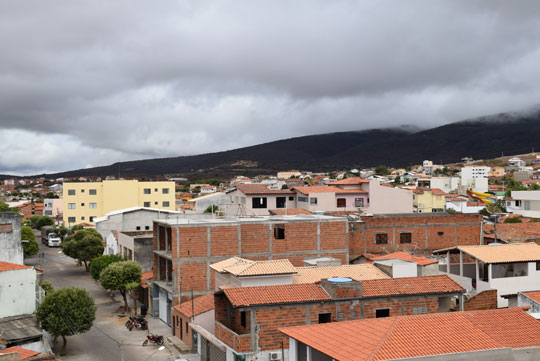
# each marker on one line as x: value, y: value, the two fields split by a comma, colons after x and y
x: 428, y: 200
x: 84, y: 201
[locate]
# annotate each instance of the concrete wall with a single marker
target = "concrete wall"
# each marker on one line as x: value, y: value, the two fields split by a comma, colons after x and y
x: 261, y: 281
x: 129, y: 221
x: 523, y: 300
x: 237, y: 198
x: 10, y: 238
x: 17, y: 292
x: 510, y: 285
x: 143, y: 253
x: 389, y: 200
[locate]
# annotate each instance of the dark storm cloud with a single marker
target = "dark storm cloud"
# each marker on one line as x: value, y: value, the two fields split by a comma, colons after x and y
x: 128, y: 80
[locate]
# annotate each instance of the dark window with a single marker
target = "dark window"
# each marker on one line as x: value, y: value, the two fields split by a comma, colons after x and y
x: 156, y: 203
x: 243, y: 318
x: 325, y: 317
x: 359, y: 202
x: 291, y: 198
x: 187, y: 328
x: 155, y: 190
x: 71, y: 192
x: 147, y: 190
x: 381, y: 238
x: 147, y: 227
x: 166, y: 204
x: 82, y: 190
x: 71, y: 219
x: 538, y: 266
x: 280, y: 202
x: 383, y: 312
x: 147, y: 204
x: 313, y: 200
x: 405, y: 237
x: 82, y: 204
x: 165, y: 190
x: 440, y: 233
x: 279, y: 231
x: 341, y: 203
x: 82, y: 218
x: 302, y: 199
x: 258, y: 202
x: 92, y: 218
x: 138, y: 228
x: 92, y: 192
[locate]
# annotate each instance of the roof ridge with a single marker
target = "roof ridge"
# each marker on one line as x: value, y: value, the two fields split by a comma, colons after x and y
x: 382, y: 341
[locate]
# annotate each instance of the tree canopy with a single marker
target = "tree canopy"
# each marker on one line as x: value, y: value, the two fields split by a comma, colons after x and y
x: 84, y: 245
x: 121, y: 276
x: 382, y: 170
x: 98, y: 264
x: 37, y: 222
x: 67, y: 312
x: 30, y: 247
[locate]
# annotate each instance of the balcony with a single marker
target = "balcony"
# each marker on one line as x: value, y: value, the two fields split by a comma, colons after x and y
x: 238, y: 343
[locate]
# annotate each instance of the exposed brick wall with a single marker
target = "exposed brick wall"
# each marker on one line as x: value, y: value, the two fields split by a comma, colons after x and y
x: 269, y: 338
x: 332, y: 235
x: 393, y: 304
x: 427, y: 232
x: 193, y: 275
x: 485, y: 300
x: 193, y: 242
x: 224, y: 241
x: 240, y: 343
x: 255, y: 238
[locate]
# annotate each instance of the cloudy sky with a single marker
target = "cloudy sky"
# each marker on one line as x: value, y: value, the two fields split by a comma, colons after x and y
x: 88, y: 83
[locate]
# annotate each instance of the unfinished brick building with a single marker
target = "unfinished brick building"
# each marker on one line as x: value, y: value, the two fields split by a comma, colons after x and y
x: 413, y: 231
x: 184, y: 249
x: 248, y: 318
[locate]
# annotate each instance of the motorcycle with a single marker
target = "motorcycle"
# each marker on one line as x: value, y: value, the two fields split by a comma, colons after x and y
x: 155, y: 339
x: 137, y: 322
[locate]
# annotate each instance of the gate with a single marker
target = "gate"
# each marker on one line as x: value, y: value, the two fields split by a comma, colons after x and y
x: 209, y: 352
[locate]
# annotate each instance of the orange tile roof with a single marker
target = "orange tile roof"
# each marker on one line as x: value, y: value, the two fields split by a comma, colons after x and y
x: 514, y: 231
x: 420, y: 335
x: 289, y: 212
x: 329, y: 189
x: 242, y: 267
x: 146, y: 276
x: 504, y: 253
x: 533, y: 295
x: 200, y: 305
x: 410, y: 286
x: 357, y: 272
x: 7, y: 266
x: 260, y: 189
x: 349, y: 181
x: 23, y: 353
x: 265, y: 295
x: 436, y: 191
x: 421, y: 261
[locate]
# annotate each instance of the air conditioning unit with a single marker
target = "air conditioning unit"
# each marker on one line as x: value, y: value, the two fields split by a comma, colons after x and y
x: 275, y: 356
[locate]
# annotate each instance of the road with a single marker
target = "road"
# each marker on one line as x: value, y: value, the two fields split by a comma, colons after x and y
x: 108, y: 339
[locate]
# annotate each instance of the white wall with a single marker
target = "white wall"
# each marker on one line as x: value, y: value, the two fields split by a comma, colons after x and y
x: 207, y: 321
x: 17, y: 292
x: 256, y: 281
x: 129, y: 221
x: 508, y: 285
x: 384, y: 200
x: 111, y: 245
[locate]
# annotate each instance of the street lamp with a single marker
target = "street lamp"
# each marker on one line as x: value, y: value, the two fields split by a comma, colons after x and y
x: 161, y: 348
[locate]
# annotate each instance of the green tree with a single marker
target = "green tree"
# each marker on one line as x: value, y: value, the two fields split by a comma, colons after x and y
x: 98, y: 264
x: 5, y: 208
x: 47, y: 287
x: 61, y: 231
x: 283, y: 187
x: 83, y: 246
x: 122, y: 276
x: 513, y: 220
x: 67, y: 312
x: 44, y: 221
x: 30, y: 246
x: 211, y: 209
x: 397, y: 180
x: 381, y: 170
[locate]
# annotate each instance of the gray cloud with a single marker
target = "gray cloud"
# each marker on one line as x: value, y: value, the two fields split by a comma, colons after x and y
x: 86, y: 84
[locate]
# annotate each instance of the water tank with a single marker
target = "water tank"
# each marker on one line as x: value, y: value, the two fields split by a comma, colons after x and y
x: 339, y: 280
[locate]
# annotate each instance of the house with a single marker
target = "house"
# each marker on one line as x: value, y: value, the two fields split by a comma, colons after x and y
x: 131, y: 219
x: 462, y: 204
x: 446, y: 184
x: 184, y: 249
x: 29, y: 209
x: 137, y: 246
x: 85, y: 201
x: 356, y: 272
x: 201, y: 204
x: 19, y: 285
x: 412, y: 231
x: 497, y: 172
x: 475, y: 178
x: 469, y: 335
x: 428, y: 200
x: 248, y: 319
x: 257, y: 199
x: 330, y: 198
x: 208, y: 189
x: 53, y: 207
x: 515, y: 164
x: 507, y: 268
x: 197, y: 313
x: 10, y: 238
x: 423, y: 266
x: 289, y: 174
x: 527, y: 203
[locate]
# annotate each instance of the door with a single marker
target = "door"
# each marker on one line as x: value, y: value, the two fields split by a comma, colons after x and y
x: 163, y: 306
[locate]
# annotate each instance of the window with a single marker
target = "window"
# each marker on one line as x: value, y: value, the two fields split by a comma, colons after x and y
x: 82, y: 190
x: 279, y: 231
x: 243, y: 318
x: 538, y: 266
x: 313, y: 200
x: 147, y: 191
x: 302, y: 199
x: 527, y: 205
x: 518, y: 203
x: 382, y: 312
x: 341, y: 203
x: 71, y: 219
x: 325, y: 317
x: 146, y: 204
x: 359, y: 202
x: 71, y: 205
x: 440, y: 233
x: 291, y: 198
x: 92, y: 192
x: 82, y: 218
x: 405, y: 237
x: 155, y: 190
x: 92, y: 205
x: 71, y: 192
x: 258, y: 202
x: 138, y: 228
x: 155, y: 203
x: 82, y: 204
x: 166, y: 204
x: 165, y: 190
x: 187, y: 328
x: 280, y: 202
x: 92, y: 218
x: 381, y: 238
x: 147, y: 227
x: 419, y: 310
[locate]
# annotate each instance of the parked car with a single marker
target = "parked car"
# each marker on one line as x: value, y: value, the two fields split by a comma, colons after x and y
x: 53, y: 240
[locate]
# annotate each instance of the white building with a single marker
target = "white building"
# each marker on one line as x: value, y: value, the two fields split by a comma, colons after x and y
x: 11, y: 249
x: 526, y: 203
x: 475, y: 178
x: 200, y: 204
x: 446, y: 184
x: 508, y: 268
x: 17, y: 289
x: 515, y: 163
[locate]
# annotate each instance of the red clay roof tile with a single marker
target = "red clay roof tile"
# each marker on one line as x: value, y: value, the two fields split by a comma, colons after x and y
x: 200, y: 305
x: 6, y: 266
x: 263, y: 295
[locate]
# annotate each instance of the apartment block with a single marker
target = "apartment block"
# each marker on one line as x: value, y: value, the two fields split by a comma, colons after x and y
x: 184, y: 249
x: 413, y: 231
x: 84, y: 201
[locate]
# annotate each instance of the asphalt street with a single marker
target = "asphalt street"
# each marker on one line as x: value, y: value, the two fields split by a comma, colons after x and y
x: 108, y: 339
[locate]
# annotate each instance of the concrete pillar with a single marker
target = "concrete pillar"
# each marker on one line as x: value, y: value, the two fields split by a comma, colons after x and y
x: 293, y: 353
x: 477, y: 273
x: 461, y: 263
x: 308, y: 354
x: 447, y: 261
x: 490, y: 274
x: 461, y: 300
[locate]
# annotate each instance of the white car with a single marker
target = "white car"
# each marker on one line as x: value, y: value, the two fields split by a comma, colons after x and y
x: 53, y: 240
